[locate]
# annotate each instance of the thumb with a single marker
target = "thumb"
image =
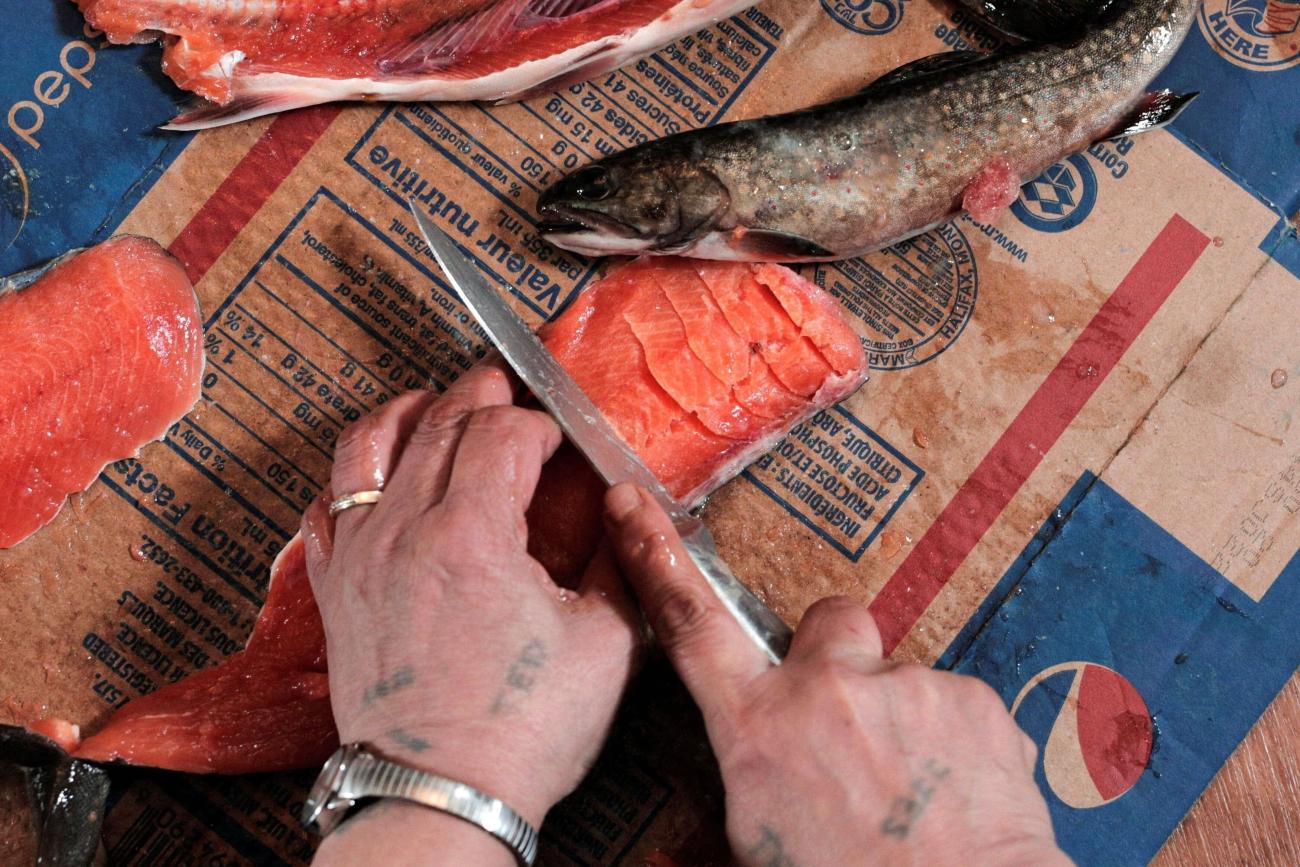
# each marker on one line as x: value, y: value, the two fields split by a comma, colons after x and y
x: 712, y: 655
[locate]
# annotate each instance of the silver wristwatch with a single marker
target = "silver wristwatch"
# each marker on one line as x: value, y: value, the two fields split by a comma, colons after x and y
x: 352, y: 774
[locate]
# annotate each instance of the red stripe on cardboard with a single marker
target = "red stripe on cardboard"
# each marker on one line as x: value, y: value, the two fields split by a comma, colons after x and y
x: 1042, y: 420
x: 252, y: 181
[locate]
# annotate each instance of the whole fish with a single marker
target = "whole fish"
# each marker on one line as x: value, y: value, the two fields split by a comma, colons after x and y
x: 948, y: 133
x: 248, y: 58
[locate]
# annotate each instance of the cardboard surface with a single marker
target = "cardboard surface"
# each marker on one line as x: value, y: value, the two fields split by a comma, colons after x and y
x: 1099, y: 382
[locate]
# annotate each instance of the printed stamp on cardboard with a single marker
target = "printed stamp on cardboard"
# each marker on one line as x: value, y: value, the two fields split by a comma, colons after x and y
x: 914, y: 298
x: 1260, y: 35
x: 872, y: 17
x: 1060, y: 198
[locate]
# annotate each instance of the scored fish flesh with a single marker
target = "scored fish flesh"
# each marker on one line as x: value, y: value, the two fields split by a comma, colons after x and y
x: 248, y: 58
x: 949, y: 133
x: 102, y: 353
x: 701, y: 366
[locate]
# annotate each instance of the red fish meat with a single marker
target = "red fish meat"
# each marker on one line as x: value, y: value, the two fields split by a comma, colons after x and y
x: 663, y: 346
x: 265, y: 708
x: 102, y: 353
x: 700, y: 366
x: 254, y: 57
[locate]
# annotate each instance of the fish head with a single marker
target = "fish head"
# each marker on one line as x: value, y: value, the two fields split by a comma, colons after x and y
x: 634, y: 203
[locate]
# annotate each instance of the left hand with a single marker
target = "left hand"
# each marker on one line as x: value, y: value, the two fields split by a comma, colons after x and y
x: 450, y: 648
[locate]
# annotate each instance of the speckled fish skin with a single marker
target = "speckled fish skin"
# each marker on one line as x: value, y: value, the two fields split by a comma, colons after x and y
x: 864, y: 172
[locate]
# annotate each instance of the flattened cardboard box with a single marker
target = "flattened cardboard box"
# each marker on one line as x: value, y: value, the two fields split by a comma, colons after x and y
x: 1071, y: 474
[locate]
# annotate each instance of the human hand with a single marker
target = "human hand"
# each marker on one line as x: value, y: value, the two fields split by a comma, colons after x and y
x: 450, y: 649
x: 837, y: 757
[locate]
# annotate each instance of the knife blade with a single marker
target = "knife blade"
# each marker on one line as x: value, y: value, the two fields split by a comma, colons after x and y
x: 593, y: 435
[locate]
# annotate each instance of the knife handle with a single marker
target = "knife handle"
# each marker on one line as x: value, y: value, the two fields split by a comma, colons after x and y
x: 758, y: 621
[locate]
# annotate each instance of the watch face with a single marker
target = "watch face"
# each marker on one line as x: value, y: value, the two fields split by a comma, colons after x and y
x: 317, y: 812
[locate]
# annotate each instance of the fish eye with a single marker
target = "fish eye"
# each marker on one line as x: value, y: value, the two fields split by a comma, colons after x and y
x: 592, y: 183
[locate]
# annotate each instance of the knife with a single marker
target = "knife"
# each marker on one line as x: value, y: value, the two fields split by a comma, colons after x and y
x: 589, y: 430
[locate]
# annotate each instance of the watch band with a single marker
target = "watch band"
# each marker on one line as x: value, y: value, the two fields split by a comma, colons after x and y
x: 352, y: 774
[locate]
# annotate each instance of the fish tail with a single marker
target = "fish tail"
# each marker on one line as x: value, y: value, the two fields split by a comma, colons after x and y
x: 202, y: 114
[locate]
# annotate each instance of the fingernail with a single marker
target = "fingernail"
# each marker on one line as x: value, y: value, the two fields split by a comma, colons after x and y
x: 621, y: 501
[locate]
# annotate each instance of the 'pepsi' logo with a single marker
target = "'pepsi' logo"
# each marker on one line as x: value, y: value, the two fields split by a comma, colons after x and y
x: 1099, y: 731
x: 1060, y: 198
x: 873, y: 17
x: 1262, y: 35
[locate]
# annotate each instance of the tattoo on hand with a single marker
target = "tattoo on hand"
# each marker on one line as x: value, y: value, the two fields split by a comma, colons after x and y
x: 406, y: 740
x: 770, y: 850
x: 386, y: 686
x: 907, y: 809
x: 521, y: 676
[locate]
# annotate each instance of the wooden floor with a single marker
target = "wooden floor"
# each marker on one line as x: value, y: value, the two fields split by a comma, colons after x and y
x: 1250, y: 814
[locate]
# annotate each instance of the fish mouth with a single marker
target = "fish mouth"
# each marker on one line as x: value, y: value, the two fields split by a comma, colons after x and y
x: 564, y: 219
x: 589, y: 233
x: 585, y: 241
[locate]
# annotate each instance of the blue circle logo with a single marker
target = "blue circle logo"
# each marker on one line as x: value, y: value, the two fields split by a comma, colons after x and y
x: 872, y: 17
x: 1262, y: 35
x: 1060, y: 198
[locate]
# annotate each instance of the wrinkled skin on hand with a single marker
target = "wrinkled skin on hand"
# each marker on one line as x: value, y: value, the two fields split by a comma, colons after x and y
x: 837, y: 757
x: 450, y: 649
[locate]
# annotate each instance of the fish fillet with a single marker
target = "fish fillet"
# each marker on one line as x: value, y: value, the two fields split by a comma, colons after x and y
x: 265, y: 708
x: 101, y: 354
x: 628, y: 341
x: 248, y: 58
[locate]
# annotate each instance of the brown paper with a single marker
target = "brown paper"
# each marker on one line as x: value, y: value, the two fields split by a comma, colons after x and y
x: 325, y: 304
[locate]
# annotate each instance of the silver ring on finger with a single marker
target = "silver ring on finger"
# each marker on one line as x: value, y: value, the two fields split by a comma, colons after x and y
x: 360, y: 498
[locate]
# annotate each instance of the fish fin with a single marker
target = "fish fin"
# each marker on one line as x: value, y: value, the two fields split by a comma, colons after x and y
x: 909, y: 72
x: 924, y: 66
x: 1042, y: 20
x: 70, y: 798
x: 202, y: 114
x: 1157, y: 111
x: 773, y: 245
x: 449, y: 42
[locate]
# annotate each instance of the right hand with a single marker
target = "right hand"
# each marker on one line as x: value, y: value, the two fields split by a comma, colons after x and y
x: 837, y: 757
